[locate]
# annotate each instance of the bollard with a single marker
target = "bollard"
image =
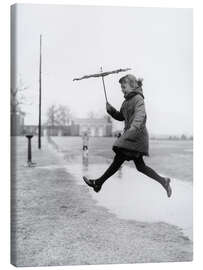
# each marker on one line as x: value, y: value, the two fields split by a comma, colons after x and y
x: 29, y: 155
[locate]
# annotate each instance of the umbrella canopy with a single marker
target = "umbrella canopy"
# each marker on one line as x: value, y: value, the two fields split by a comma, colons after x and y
x: 101, y: 74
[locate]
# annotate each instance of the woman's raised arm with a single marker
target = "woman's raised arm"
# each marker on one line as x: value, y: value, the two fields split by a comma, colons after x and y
x: 114, y: 113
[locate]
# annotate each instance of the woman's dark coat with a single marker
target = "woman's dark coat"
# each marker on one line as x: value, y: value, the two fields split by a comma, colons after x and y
x: 135, y: 138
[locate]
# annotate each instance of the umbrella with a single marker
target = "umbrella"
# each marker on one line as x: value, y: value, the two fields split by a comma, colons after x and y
x: 102, y: 74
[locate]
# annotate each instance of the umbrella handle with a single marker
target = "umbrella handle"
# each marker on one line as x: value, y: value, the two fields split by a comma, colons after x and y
x: 104, y: 86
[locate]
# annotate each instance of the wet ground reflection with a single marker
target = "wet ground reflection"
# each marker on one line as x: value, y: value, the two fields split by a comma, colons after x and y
x: 131, y: 195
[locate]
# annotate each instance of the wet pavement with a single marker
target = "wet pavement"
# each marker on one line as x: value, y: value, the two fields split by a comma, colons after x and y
x: 131, y: 195
x: 58, y: 221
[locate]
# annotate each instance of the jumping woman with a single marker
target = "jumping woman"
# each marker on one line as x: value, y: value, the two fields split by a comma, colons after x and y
x: 134, y: 143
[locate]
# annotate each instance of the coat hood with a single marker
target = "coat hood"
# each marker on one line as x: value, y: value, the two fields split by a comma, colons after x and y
x: 137, y: 90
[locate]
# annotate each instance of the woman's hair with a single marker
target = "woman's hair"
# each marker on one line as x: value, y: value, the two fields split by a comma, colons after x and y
x: 132, y: 80
x: 139, y: 82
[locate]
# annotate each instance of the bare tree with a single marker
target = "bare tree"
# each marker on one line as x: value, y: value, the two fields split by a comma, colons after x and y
x: 58, y: 115
x: 92, y: 115
x: 63, y: 115
x: 52, y: 116
x: 18, y: 97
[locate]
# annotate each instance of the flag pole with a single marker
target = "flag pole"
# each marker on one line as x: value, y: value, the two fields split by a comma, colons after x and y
x: 104, y: 85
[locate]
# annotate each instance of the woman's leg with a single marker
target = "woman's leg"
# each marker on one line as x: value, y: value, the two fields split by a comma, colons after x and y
x: 143, y: 168
x: 113, y: 168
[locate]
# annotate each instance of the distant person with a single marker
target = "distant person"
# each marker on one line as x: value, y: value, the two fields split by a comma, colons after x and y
x: 118, y: 135
x: 134, y: 143
x: 85, y: 143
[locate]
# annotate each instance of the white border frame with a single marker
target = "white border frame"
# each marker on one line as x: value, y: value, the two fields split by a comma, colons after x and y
x: 198, y: 130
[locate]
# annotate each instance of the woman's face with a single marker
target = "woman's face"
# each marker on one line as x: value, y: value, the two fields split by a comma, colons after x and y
x: 125, y: 87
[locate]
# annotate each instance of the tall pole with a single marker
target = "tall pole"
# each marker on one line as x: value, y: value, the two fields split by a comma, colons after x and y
x: 40, y: 93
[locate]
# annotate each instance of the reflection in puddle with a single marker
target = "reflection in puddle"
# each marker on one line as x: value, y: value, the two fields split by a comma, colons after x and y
x: 131, y: 195
x: 85, y: 163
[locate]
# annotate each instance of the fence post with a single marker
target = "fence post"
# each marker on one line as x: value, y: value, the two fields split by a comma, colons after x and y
x: 29, y: 153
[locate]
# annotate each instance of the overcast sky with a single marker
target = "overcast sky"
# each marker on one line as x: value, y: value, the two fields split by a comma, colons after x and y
x: 155, y: 42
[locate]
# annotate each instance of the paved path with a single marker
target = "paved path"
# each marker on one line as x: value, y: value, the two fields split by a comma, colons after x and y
x: 58, y: 223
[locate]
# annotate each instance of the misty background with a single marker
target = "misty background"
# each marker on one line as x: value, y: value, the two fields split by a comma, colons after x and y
x: 76, y: 40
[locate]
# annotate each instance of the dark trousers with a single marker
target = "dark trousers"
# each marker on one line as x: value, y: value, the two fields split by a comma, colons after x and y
x: 140, y: 166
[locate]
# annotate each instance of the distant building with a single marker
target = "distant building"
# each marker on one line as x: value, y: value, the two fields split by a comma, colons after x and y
x: 101, y: 127
x: 70, y: 130
x: 47, y: 130
x: 30, y: 129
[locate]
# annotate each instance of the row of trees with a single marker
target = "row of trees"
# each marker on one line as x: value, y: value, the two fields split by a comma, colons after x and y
x: 183, y: 137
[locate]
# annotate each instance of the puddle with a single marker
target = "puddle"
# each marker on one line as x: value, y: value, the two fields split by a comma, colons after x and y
x: 131, y: 195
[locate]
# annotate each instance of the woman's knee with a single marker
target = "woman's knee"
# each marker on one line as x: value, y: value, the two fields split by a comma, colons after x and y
x: 118, y: 159
x: 140, y: 165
